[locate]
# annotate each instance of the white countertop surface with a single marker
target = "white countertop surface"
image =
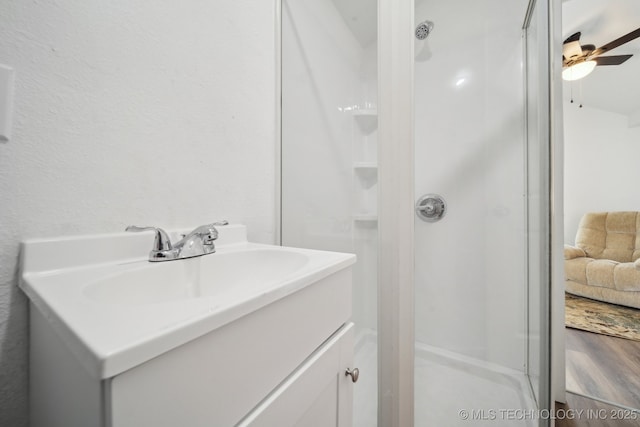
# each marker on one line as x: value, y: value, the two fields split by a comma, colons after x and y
x: 110, y: 337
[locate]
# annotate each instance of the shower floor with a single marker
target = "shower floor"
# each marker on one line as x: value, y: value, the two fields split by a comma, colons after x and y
x: 446, y: 384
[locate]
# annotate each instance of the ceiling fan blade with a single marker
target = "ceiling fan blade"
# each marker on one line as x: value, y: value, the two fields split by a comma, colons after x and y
x: 573, y: 38
x: 617, y: 42
x: 611, y: 60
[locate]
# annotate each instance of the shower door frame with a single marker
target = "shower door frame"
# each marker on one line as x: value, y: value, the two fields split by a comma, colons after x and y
x: 552, y: 313
x: 557, y: 386
x: 538, y: 215
x: 396, y: 330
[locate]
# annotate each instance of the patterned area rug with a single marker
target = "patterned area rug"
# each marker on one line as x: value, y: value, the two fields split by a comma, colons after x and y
x: 602, y: 318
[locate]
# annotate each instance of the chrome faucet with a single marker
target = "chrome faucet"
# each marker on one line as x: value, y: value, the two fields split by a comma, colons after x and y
x: 199, y: 242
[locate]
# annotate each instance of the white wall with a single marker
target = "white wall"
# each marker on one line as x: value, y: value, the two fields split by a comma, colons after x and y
x: 469, y: 149
x: 601, y: 164
x: 129, y: 112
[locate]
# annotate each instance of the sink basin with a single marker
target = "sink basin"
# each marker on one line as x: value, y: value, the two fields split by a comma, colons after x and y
x: 115, y: 310
x: 219, y: 275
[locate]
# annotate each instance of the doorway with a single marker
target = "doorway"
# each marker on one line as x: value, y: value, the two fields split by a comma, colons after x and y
x: 600, y: 140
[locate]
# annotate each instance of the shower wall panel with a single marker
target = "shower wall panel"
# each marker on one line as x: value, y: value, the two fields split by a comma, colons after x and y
x: 469, y: 148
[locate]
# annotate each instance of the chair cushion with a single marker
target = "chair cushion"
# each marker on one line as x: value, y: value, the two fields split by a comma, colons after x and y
x: 576, y: 269
x: 610, y: 235
x: 603, y: 273
x: 600, y: 273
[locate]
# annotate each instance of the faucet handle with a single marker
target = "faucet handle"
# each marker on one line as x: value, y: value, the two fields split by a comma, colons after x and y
x: 161, y: 242
x: 209, y: 231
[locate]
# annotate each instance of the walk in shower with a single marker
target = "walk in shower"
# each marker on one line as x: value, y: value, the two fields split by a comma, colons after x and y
x: 477, y: 297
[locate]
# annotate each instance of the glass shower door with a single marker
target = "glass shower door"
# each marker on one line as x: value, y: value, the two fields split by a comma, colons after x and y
x: 329, y: 175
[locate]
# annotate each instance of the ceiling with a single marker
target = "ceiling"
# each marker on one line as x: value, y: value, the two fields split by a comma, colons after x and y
x: 611, y: 88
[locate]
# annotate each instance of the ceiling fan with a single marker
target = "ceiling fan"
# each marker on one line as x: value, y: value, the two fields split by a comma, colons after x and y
x: 580, y: 60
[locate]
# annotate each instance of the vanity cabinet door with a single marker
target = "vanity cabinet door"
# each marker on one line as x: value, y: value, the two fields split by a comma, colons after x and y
x: 216, y: 379
x: 317, y: 394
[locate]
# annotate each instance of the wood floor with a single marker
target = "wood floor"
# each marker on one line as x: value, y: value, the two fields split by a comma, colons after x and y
x: 603, y: 366
x: 584, y: 412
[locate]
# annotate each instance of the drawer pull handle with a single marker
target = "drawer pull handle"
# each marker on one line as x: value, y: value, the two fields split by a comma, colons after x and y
x: 354, y: 374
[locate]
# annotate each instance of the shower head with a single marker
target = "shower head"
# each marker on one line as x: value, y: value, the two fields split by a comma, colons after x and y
x: 424, y: 29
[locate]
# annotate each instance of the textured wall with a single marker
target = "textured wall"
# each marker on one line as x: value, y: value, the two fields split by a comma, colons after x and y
x: 601, y: 164
x: 129, y: 112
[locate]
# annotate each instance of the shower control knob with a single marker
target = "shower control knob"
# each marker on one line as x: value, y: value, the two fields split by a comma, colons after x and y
x: 354, y: 374
x: 431, y: 207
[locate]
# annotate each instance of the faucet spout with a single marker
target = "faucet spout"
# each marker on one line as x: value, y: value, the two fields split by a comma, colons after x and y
x: 198, y: 242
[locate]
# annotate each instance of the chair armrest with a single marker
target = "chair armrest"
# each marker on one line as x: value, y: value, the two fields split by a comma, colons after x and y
x: 637, y: 264
x: 571, y: 252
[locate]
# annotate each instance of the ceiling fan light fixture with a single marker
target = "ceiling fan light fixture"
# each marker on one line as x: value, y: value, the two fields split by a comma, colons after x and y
x: 578, y: 71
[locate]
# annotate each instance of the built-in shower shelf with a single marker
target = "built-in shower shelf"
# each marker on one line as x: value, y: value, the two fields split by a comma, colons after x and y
x: 365, y: 217
x: 365, y: 166
x: 367, y: 119
x: 367, y: 112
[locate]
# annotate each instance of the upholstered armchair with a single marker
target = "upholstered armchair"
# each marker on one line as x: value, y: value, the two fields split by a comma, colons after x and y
x: 604, y: 264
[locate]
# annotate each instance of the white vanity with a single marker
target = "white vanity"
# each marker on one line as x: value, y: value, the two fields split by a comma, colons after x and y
x: 252, y: 335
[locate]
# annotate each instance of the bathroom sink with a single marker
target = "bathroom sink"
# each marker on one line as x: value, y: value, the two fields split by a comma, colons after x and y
x: 221, y: 276
x: 115, y: 310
